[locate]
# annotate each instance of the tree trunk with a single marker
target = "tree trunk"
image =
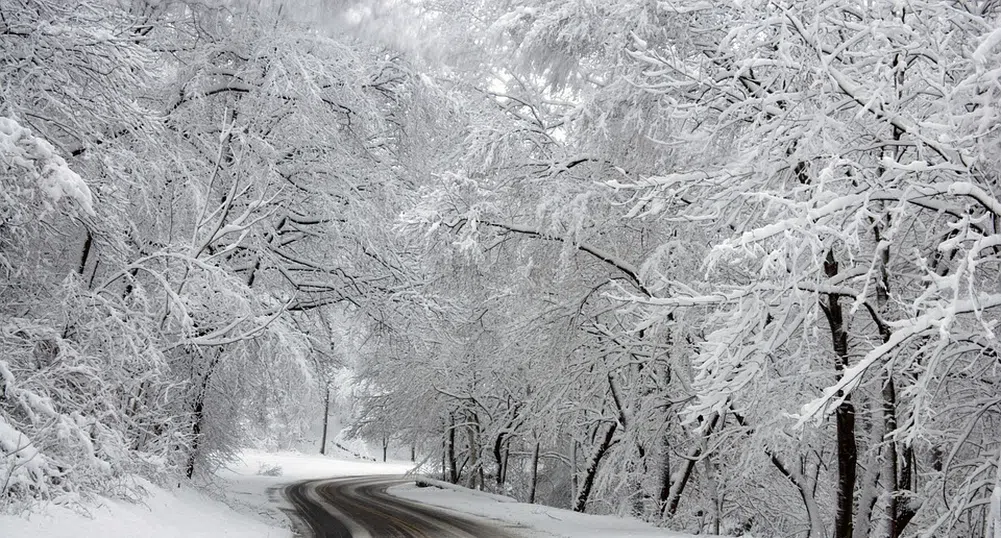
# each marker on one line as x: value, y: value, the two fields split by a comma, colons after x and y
x: 85, y: 253
x: 499, y: 457
x: 592, y: 468
x: 897, y: 465
x: 869, y: 487
x: 665, y: 474
x: 890, y: 454
x: 677, y: 487
x: 453, y: 470
x: 809, y: 502
x: 847, y: 461
x: 716, y: 503
x: 507, y: 456
x: 385, y: 447
x: 905, y: 512
x: 574, y: 480
x: 535, y: 473
x: 899, y: 516
x: 444, y: 460
x: 844, y: 415
x: 326, y: 419
x: 196, y: 434
x: 198, y: 413
x: 473, y: 442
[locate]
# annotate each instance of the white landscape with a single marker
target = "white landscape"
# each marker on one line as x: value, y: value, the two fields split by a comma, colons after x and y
x: 597, y: 267
x: 244, y: 502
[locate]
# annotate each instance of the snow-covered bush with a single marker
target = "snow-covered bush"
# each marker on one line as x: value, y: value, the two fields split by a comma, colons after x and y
x: 269, y: 469
x: 84, y: 401
x: 81, y: 387
x: 33, y: 171
x: 56, y: 430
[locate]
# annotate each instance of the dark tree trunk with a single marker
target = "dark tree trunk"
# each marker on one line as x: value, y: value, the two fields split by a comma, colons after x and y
x: 196, y: 434
x: 85, y: 253
x: 444, y: 459
x: 898, y: 465
x: 535, y: 473
x: 890, y: 453
x: 198, y: 412
x: 677, y: 487
x: 474, y: 479
x: 844, y: 415
x: 574, y: 480
x: 453, y: 470
x: 499, y: 457
x: 326, y: 419
x: 507, y: 456
x: 665, y: 473
x: 847, y: 461
x: 592, y: 468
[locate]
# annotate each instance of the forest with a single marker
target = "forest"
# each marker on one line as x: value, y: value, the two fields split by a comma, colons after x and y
x: 728, y: 266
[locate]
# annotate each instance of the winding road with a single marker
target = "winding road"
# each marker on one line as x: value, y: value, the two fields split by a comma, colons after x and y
x: 360, y: 507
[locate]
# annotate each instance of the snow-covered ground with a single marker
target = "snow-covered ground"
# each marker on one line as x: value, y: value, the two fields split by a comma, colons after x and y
x: 536, y: 520
x: 183, y: 512
x: 255, y: 492
x: 247, y: 502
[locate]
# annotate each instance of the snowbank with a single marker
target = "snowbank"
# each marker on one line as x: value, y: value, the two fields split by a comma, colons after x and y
x: 164, y: 514
x: 254, y: 482
x: 252, y: 488
x: 536, y: 521
x: 296, y: 466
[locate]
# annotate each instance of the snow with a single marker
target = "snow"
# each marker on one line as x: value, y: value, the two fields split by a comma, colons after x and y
x: 536, y: 521
x: 994, y: 519
x: 18, y: 146
x: 990, y: 41
x: 252, y: 506
x: 27, y: 466
x: 163, y: 514
x: 259, y: 493
x: 531, y: 520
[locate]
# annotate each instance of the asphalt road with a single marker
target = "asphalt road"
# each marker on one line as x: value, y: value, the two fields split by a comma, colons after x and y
x: 360, y: 507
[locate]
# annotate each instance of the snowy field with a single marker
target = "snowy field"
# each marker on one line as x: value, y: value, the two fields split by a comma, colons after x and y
x: 246, y: 502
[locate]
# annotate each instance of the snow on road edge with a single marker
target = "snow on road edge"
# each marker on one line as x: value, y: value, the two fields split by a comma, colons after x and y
x: 163, y: 514
x: 533, y: 520
x: 253, y: 506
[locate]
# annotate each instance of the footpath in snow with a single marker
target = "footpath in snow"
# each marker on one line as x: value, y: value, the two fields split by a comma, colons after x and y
x: 246, y: 502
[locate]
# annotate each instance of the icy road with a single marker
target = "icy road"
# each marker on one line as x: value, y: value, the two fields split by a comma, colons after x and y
x: 360, y: 507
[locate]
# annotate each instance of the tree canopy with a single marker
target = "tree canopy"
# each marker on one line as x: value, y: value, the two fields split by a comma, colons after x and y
x: 725, y: 266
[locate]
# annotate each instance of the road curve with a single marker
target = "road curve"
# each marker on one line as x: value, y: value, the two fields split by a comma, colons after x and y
x: 360, y: 507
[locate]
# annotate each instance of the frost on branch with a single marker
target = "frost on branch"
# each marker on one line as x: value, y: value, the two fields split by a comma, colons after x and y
x: 41, y: 168
x: 50, y: 442
x: 22, y: 467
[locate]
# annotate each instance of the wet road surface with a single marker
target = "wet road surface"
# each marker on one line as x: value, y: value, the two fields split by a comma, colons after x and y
x: 360, y: 507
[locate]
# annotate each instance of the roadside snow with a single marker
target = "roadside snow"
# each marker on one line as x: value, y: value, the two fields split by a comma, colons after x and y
x: 164, y: 514
x: 297, y: 466
x: 254, y: 506
x: 536, y: 521
x: 256, y: 493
